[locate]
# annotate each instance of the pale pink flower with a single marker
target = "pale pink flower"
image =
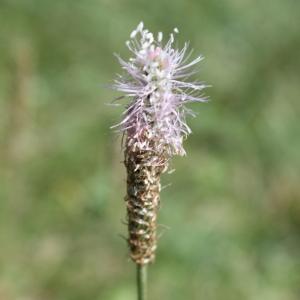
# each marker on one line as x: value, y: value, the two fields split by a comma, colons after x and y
x: 156, y: 82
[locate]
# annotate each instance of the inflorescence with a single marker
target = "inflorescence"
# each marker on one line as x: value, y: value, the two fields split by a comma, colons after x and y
x: 155, y: 80
x: 153, y: 126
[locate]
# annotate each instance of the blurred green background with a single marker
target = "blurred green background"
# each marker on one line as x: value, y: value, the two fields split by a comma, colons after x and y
x: 230, y: 221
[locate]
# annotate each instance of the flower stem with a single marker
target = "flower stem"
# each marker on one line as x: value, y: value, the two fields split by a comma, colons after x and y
x: 141, y: 277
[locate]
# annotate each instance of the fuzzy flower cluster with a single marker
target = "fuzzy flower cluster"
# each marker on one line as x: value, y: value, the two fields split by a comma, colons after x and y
x: 155, y: 80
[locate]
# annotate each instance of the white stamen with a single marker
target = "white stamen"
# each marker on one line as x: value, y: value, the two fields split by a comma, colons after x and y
x: 133, y: 34
x: 159, y: 37
x: 150, y: 37
x: 140, y: 26
x: 176, y: 30
x: 172, y: 38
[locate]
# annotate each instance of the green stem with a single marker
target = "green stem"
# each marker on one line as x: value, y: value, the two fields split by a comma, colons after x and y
x: 141, y: 277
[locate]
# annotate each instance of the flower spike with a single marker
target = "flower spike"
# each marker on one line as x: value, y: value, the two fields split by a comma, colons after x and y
x: 156, y: 82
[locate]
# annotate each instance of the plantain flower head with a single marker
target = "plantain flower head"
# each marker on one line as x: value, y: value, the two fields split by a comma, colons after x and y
x: 156, y: 82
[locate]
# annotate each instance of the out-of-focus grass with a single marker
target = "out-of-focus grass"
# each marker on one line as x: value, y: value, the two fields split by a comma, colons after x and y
x: 233, y: 208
